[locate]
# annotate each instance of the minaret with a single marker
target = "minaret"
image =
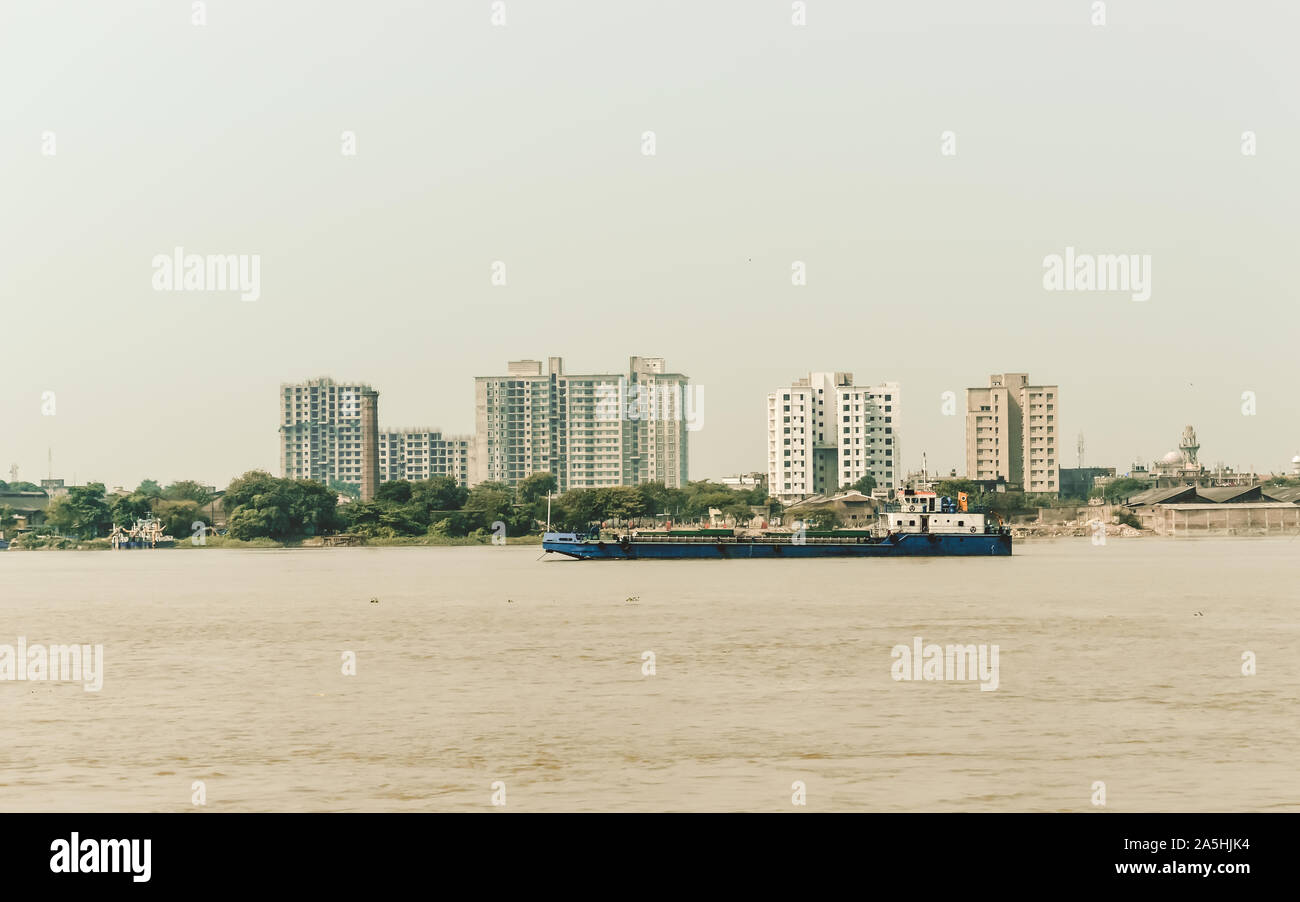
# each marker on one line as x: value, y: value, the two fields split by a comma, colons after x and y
x: 369, y: 444
x: 1189, y: 447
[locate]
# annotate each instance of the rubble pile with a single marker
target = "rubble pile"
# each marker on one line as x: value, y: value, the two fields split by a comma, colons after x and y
x: 1073, y: 528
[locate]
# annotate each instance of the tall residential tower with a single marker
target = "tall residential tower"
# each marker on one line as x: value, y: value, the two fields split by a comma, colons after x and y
x: 1013, y: 432
x: 320, y: 430
x: 824, y: 432
x: 587, y: 430
x: 330, y: 431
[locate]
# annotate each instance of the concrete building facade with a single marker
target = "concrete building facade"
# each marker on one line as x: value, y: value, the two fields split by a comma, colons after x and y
x: 320, y: 430
x: 823, y: 432
x: 868, y: 434
x: 415, y: 454
x: 1013, y: 431
x: 326, y: 426
x: 588, y: 430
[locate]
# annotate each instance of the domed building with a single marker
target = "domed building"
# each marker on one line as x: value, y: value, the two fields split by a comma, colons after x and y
x: 1183, y: 462
x: 1295, y: 465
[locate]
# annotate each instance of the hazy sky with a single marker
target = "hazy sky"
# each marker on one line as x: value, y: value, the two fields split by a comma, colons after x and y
x: 774, y: 143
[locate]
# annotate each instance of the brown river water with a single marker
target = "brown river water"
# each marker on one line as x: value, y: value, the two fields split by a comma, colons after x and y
x: 1118, y: 664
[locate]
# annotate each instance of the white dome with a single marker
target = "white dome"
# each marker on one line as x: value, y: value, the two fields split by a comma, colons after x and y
x: 1173, y: 457
x: 1296, y: 459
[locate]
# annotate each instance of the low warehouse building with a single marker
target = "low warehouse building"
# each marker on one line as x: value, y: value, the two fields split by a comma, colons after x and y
x: 1244, y: 518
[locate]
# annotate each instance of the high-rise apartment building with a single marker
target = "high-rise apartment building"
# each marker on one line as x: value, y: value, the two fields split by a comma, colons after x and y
x: 323, y: 432
x: 1013, y: 431
x: 320, y: 430
x: 868, y: 418
x: 824, y: 432
x: 588, y: 430
x: 415, y: 454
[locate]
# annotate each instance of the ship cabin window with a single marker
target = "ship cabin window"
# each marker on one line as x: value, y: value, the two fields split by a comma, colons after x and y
x: 961, y: 522
x: 911, y: 522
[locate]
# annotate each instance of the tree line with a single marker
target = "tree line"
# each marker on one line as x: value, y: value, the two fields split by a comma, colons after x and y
x: 87, y: 512
x: 259, y: 505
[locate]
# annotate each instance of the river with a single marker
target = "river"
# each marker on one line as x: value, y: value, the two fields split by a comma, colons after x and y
x: 772, y: 681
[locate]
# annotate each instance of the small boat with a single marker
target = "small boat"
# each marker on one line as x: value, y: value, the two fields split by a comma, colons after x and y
x: 147, y: 533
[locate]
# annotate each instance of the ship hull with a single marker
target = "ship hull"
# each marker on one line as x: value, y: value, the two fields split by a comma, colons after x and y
x: 910, y: 545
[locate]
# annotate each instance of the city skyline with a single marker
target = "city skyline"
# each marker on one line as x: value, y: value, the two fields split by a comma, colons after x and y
x: 951, y: 457
x: 768, y: 233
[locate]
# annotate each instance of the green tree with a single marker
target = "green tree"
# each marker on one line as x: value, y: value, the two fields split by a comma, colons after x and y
x: 738, y: 510
x: 261, y: 506
x: 951, y: 487
x: 864, y: 485
x: 187, y: 490
x: 491, y: 501
x: 535, y: 487
x: 394, y: 491
x: 82, y: 512
x: 575, y: 510
x: 362, y: 517
x: 402, y: 508
x: 257, y: 523
x: 351, y: 489
x: 439, y: 493
x: 823, y: 519
x: 178, y: 517
x: 620, y: 502
x: 129, y: 508
x: 699, y: 504
x: 1119, y: 490
x: 655, y: 498
x: 7, y: 518
x: 243, y: 491
x: 149, y: 488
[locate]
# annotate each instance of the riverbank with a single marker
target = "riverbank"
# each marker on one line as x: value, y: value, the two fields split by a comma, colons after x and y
x: 1066, y: 530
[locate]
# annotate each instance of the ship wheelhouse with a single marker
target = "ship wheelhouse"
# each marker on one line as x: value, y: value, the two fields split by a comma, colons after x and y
x: 929, y: 513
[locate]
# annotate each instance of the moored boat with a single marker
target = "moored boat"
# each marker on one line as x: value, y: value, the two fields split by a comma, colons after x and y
x: 919, y: 524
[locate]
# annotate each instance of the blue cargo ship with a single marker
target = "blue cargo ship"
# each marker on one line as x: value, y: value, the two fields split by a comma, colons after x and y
x: 920, y: 524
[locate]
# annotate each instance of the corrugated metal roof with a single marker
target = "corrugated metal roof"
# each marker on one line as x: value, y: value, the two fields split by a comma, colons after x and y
x: 1156, y: 496
x: 1246, y: 505
x: 1225, y: 493
x: 1287, y: 493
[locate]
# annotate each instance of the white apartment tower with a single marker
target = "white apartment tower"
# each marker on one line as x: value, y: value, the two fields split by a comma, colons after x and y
x: 868, y: 434
x: 590, y: 430
x: 824, y: 432
x: 1013, y: 432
